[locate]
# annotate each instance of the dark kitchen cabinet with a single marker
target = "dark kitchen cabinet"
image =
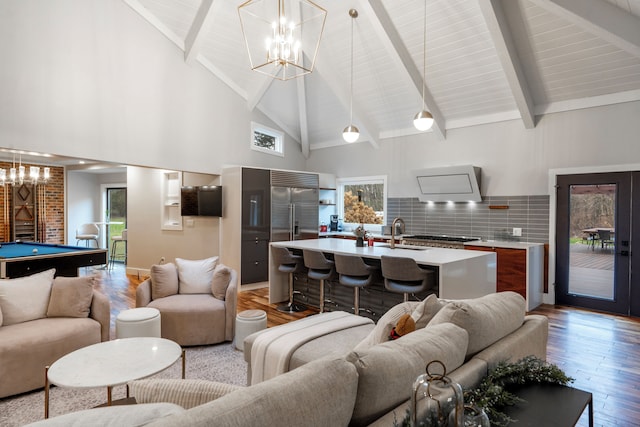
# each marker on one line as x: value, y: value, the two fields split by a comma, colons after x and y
x: 256, y: 224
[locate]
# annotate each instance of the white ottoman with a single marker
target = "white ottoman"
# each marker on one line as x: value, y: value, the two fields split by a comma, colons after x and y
x: 248, y: 322
x: 138, y: 322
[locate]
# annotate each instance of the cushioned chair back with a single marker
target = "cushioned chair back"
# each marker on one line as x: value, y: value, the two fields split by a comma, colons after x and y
x: 319, y: 266
x: 88, y: 229
x: 286, y: 261
x: 351, y: 265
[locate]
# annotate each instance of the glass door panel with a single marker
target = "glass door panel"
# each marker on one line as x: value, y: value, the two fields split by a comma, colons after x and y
x: 592, y: 240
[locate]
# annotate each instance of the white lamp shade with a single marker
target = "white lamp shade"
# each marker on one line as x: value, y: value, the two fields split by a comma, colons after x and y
x: 423, y: 120
x: 350, y: 133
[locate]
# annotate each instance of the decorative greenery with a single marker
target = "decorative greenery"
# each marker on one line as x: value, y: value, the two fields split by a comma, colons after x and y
x: 492, y: 394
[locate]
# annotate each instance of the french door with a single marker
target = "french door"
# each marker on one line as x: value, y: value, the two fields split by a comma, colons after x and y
x: 594, y: 235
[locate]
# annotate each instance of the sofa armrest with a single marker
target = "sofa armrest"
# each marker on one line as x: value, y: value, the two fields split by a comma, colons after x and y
x: 230, y: 303
x: 143, y: 293
x: 101, y: 311
x: 186, y: 393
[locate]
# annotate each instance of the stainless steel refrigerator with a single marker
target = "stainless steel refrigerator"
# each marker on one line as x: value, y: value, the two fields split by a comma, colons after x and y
x: 294, y: 213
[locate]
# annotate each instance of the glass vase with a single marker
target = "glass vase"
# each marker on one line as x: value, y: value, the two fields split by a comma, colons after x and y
x: 474, y: 416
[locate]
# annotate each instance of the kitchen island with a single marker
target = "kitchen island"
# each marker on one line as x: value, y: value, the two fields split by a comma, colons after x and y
x: 461, y: 273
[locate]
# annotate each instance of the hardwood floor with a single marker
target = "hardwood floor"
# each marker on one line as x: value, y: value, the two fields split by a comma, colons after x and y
x: 601, y: 351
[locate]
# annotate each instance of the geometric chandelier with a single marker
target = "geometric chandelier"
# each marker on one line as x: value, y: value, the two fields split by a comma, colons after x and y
x: 282, y: 36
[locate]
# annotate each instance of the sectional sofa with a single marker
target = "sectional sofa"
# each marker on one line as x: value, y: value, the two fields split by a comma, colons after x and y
x: 41, y: 320
x: 353, y: 376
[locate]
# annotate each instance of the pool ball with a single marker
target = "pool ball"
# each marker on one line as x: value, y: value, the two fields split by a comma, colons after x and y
x: 35, y: 251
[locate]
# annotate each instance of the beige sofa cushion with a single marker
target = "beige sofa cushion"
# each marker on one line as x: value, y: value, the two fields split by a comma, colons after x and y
x: 113, y: 416
x: 319, y: 394
x: 70, y: 297
x: 25, y: 298
x: 164, y: 280
x: 425, y: 310
x: 387, y: 371
x: 194, y: 276
x: 486, y: 319
x: 220, y: 281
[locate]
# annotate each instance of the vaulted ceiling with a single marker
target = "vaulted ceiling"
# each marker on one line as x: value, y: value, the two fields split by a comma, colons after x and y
x: 486, y: 61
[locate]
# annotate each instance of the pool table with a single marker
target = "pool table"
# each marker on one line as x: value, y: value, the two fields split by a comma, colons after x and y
x: 18, y: 259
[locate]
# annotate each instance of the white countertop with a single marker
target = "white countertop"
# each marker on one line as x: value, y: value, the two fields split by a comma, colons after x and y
x: 500, y: 244
x: 423, y: 255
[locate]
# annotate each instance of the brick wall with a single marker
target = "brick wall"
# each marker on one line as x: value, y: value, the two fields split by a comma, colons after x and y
x: 50, y: 197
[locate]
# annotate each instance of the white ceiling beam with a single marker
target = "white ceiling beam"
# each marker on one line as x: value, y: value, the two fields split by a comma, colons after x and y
x: 198, y: 30
x: 255, y: 95
x: 302, y: 113
x: 396, y: 49
x: 508, y: 55
x: 601, y: 18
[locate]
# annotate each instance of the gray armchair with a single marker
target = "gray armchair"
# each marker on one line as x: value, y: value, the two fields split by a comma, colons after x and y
x: 194, y: 319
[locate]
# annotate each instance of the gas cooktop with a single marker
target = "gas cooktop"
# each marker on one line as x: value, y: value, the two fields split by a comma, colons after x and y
x: 460, y: 239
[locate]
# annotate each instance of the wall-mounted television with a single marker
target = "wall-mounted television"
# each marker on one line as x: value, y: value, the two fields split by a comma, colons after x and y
x: 203, y: 200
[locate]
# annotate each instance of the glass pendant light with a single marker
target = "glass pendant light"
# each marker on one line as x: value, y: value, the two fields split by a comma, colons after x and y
x: 351, y: 133
x: 424, y: 120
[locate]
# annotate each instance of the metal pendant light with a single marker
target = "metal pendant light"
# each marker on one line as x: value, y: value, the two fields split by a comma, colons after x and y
x: 351, y: 133
x: 424, y: 120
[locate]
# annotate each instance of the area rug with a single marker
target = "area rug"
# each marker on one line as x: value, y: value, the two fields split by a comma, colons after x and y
x: 221, y: 362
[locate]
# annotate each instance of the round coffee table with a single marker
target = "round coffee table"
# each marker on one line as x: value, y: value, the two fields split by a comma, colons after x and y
x: 112, y: 363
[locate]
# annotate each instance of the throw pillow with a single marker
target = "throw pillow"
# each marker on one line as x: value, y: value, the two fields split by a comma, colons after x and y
x: 425, y: 311
x: 194, y: 276
x: 164, y: 280
x: 220, y: 281
x: 70, y: 297
x: 25, y: 298
x: 381, y: 332
x: 487, y: 319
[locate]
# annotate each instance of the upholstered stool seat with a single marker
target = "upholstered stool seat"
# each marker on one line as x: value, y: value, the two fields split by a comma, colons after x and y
x: 290, y: 264
x: 403, y: 275
x: 354, y: 273
x: 248, y: 322
x: 321, y: 269
x: 138, y: 322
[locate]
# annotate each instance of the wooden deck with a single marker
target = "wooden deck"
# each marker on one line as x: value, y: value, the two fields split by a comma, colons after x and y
x: 591, y: 271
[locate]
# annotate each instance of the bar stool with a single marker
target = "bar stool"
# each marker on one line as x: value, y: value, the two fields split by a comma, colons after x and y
x: 353, y: 272
x: 115, y: 240
x: 290, y: 264
x: 320, y: 268
x: 402, y: 275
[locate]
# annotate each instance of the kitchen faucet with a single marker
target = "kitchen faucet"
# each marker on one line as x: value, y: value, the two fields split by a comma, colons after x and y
x: 392, y: 243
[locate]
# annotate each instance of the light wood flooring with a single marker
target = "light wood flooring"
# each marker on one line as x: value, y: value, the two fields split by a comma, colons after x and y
x: 601, y: 351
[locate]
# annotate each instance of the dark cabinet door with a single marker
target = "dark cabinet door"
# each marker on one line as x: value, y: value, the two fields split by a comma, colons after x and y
x: 255, y: 261
x: 256, y: 225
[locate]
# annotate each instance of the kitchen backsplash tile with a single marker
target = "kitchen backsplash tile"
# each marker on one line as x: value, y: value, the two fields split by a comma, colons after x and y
x: 530, y: 213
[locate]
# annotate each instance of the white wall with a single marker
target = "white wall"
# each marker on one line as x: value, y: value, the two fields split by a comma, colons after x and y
x: 514, y: 160
x: 93, y: 79
x: 83, y: 202
x: 147, y: 242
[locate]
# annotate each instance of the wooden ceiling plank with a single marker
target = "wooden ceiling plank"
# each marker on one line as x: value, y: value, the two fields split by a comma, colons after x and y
x: 508, y: 55
x: 605, y: 20
x: 368, y: 130
x: 198, y: 30
x: 395, y: 47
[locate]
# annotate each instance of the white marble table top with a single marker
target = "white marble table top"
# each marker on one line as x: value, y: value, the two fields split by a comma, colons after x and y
x: 114, y: 362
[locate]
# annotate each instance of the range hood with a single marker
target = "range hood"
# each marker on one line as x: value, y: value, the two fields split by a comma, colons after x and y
x: 450, y: 183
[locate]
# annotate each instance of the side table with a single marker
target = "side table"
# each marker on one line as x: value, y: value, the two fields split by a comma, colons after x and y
x: 550, y: 405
